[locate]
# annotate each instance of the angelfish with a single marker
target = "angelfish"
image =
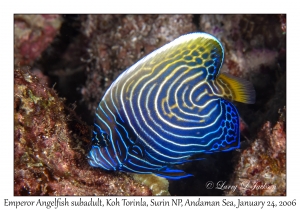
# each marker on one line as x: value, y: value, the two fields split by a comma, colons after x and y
x: 172, y: 104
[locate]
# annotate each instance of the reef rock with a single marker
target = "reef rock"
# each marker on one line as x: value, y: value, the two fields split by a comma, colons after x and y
x: 32, y: 35
x: 261, y: 169
x: 50, y: 146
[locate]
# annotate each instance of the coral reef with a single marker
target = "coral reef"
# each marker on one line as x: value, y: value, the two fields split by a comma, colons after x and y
x: 89, y: 52
x: 115, y: 42
x: 261, y: 169
x: 255, y: 50
x: 32, y: 35
x: 250, y: 41
x: 50, y: 148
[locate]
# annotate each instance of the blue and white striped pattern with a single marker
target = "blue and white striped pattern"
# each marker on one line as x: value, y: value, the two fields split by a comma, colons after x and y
x: 164, y: 109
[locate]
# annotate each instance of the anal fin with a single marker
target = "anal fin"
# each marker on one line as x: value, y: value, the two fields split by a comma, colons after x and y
x: 170, y: 173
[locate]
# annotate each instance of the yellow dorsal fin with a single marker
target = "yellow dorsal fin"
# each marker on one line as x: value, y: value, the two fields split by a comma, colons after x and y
x: 237, y: 88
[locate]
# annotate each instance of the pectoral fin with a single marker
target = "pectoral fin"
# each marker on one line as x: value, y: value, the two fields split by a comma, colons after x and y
x: 235, y: 88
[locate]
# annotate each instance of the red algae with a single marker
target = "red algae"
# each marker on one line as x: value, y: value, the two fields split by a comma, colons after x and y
x: 51, y: 142
x: 32, y: 35
x: 261, y: 169
x: 50, y: 146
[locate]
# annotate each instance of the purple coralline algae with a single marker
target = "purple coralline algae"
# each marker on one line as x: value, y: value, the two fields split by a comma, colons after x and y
x: 261, y: 169
x: 32, y: 35
x: 50, y: 145
x: 81, y: 55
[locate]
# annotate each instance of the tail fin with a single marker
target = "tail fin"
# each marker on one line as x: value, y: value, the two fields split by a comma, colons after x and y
x: 236, y: 88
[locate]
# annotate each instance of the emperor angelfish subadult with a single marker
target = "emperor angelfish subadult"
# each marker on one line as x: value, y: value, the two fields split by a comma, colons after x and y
x: 172, y: 104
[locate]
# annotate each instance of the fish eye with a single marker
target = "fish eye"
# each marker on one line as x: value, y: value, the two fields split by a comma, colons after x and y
x: 169, y: 106
x: 101, y: 140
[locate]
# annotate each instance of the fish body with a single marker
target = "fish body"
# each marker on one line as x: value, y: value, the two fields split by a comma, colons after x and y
x: 172, y: 104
